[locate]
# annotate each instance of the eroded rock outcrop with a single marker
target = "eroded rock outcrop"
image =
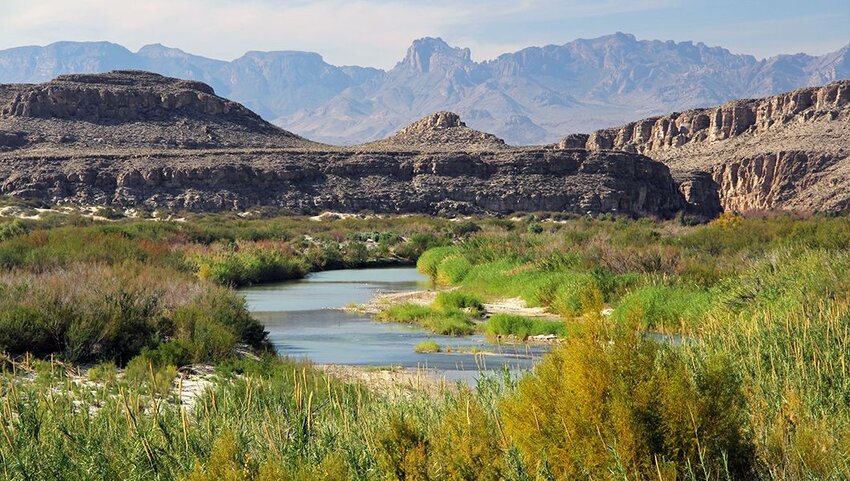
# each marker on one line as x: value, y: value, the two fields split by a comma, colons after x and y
x: 131, y: 138
x: 440, y: 131
x: 788, y: 151
x: 135, y: 109
x: 579, y: 182
x: 12, y: 140
x: 729, y: 120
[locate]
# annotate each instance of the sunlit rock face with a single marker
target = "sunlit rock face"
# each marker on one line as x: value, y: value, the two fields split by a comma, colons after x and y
x: 788, y: 151
x: 133, y: 138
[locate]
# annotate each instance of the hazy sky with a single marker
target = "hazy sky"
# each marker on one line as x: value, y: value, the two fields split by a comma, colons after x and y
x: 377, y: 32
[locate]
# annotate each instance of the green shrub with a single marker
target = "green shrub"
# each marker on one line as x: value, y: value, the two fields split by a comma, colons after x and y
x: 659, y: 306
x: 522, y: 327
x: 426, y: 347
x: 92, y: 313
x: 576, y: 295
x: 103, y: 372
x: 535, y: 228
x: 465, y: 228
x: 452, y: 270
x: 250, y: 264
x: 465, y: 445
x: 447, y: 300
x: 229, y: 309
x: 403, y: 450
x: 430, y: 260
x: 12, y: 228
x: 630, y: 406
x: 451, y: 322
x: 143, y: 371
x: 410, y: 313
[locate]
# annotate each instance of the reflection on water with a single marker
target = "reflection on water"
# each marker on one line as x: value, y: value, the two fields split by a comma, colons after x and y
x: 304, y: 321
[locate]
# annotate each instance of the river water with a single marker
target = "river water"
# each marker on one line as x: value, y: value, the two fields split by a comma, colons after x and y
x: 304, y: 320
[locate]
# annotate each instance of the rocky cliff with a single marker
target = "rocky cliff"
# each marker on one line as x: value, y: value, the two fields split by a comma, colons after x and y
x: 136, y: 139
x: 578, y: 182
x: 789, y: 151
x: 529, y: 96
x: 132, y: 109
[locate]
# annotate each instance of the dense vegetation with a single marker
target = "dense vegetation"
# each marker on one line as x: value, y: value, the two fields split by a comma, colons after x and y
x: 87, y: 291
x: 749, y: 380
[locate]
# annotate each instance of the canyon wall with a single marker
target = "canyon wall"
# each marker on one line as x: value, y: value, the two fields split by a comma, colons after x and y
x: 780, y: 152
x: 302, y: 182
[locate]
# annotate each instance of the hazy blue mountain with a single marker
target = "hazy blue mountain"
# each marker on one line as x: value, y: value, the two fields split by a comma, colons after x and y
x: 534, y: 95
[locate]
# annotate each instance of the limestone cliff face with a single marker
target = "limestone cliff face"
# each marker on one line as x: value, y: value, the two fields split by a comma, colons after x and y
x: 795, y: 180
x: 132, y: 108
x: 780, y: 152
x: 655, y: 134
x: 121, y: 96
x: 579, y: 182
x: 132, y: 138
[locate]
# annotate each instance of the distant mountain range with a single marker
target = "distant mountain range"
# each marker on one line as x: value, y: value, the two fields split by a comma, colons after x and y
x: 535, y: 95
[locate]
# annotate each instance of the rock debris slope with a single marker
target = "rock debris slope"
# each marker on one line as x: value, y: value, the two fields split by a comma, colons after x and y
x: 789, y: 151
x: 440, y: 131
x: 131, y: 139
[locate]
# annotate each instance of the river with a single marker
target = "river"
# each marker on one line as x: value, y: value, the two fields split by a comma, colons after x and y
x: 305, y: 321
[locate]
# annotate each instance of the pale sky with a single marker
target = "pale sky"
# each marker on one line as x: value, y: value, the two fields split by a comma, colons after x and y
x: 376, y: 33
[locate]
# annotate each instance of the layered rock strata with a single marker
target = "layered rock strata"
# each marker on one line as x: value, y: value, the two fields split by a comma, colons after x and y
x: 131, y: 139
x: 578, y: 182
x: 789, y: 151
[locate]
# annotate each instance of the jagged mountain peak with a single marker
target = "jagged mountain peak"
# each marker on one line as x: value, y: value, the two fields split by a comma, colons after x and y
x: 579, y: 86
x: 420, y: 53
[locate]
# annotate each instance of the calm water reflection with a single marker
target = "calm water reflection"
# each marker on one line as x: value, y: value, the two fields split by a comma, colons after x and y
x: 304, y: 320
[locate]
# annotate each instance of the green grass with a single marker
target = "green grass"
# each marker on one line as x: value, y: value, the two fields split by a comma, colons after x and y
x: 447, y: 300
x: 757, y: 389
x: 666, y: 308
x: 451, y: 322
x: 522, y: 327
x: 427, y: 347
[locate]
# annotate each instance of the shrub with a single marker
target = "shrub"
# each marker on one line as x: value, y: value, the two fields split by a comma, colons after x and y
x: 426, y: 347
x: 431, y: 259
x: 451, y: 323
x: 248, y: 263
x: 11, y: 229
x: 465, y: 445
x: 103, y: 372
x: 410, y: 313
x: 448, y: 300
x: 144, y: 371
x: 403, y: 450
x: 466, y: 228
x: 225, y: 462
x: 452, y: 269
x: 230, y: 310
x: 522, y: 327
x: 630, y: 406
x: 535, y: 228
x: 91, y: 313
x: 576, y: 295
x: 660, y: 307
